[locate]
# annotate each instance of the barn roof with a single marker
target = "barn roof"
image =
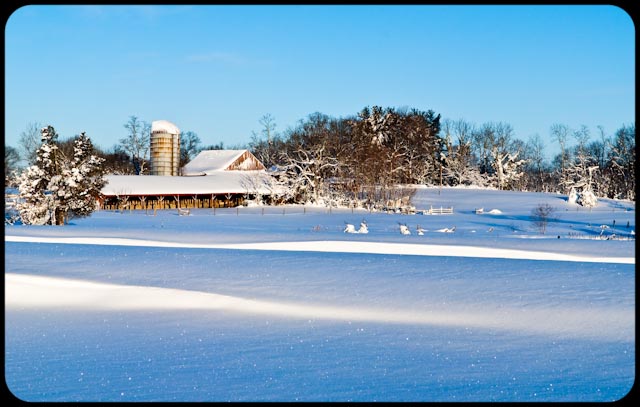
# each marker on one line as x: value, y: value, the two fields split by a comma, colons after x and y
x: 222, y: 182
x: 209, y: 161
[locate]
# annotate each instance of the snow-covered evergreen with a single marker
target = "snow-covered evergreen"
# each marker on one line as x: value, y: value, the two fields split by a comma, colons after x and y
x: 86, y: 177
x: 55, y: 186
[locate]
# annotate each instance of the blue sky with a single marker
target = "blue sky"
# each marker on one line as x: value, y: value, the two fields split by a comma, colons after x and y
x: 216, y: 70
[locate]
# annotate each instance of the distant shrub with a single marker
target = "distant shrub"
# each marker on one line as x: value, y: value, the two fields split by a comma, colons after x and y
x: 541, y: 215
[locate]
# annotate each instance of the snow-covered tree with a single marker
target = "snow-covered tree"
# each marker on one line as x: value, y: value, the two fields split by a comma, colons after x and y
x: 55, y: 185
x: 578, y: 180
x: 34, y: 207
x: 458, y: 167
x: 306, y: 172
x: 85, y: 177
x: 508, y: 168
x: 38, y: 205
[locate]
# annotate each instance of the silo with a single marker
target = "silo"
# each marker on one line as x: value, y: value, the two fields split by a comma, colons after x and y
x: 165, y: 148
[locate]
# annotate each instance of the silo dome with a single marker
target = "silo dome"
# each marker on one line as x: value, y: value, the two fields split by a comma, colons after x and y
x: 165, y: 148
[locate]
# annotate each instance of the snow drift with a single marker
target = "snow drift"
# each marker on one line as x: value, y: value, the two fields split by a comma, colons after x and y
x: 27, y: 291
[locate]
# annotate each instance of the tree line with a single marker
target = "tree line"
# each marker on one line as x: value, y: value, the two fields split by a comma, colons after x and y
x: 363, y: 159
x: 366, y: 158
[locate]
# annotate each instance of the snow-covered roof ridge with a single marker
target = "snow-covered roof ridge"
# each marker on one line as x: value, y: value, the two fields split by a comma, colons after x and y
x: 209, y: 161
x: 164, y: 126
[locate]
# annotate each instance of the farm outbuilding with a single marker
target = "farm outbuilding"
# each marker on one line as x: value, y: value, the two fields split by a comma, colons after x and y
x: 214, y: 179
x: 212, y: 161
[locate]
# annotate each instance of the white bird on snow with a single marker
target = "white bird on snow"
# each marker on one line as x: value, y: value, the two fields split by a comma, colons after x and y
x: 349, y: 228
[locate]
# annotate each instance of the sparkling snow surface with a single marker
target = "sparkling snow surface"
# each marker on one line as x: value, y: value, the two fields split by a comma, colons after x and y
x: 279, y: 304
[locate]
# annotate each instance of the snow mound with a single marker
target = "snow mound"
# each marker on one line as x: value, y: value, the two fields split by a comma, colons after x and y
x: 339, y: 246
x: 37, y: 292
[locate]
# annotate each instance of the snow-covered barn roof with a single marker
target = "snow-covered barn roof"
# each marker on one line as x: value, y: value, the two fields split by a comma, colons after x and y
x: 223, y: 182
x: 210, y: 161
x: 164, y: 127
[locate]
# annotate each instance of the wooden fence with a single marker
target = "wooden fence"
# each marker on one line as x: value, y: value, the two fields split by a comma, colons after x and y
x: 438, y: 211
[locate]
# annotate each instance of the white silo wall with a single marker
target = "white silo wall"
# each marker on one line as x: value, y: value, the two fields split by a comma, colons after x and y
x: 165, y: 148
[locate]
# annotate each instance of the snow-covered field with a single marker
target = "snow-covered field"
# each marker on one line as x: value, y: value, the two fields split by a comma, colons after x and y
x: 278, y: 304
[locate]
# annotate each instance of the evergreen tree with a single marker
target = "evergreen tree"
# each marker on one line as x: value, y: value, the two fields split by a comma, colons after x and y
x: 86, y: 177
x: 55, y: 186
x: 39, y: 205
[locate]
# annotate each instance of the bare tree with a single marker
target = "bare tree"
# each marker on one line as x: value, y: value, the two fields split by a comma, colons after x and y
x: 582, y: 136
x: 136, y: 143
x: 560, y: 133
x: 263, y: 145
x: 600, y: 152
x: 541, y: 215
x: 535, y: 147
x: 622, y: 163
x: 11, y: 159
x: 30, y: 142
x: 189, y: 147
